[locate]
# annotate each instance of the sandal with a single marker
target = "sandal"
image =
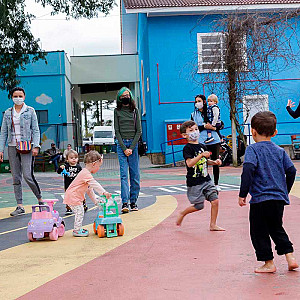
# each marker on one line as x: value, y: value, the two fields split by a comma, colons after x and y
x: 81, y: 233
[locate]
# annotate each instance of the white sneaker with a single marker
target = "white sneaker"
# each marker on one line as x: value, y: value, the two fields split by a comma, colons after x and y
x: 218, y: 188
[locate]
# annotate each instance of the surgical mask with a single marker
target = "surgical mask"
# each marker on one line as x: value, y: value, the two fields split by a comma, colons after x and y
x: 199, y: 105
x: 125, y: 100
x: 194, y: 136
x: 18, y: 101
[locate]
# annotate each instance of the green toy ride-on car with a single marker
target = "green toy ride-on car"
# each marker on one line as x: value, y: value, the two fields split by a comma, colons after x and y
x: 108, y: 223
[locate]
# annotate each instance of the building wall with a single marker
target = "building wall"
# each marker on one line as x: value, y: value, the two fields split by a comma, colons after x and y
x: 47, y: 88
x: 171, y: 44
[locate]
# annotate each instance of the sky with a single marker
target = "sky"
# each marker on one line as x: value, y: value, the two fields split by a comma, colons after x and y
x: 76, y: 37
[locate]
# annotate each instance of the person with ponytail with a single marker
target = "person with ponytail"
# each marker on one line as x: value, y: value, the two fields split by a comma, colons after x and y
x: 128, y: 130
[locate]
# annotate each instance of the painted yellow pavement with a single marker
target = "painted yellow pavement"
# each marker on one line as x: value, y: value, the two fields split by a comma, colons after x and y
x: 4, y: 212
x: 28, y: 266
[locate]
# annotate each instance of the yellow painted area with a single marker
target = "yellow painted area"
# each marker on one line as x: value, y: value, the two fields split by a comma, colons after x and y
x: 4, y: 212
x: 296, y: 189
x: 28, y: 266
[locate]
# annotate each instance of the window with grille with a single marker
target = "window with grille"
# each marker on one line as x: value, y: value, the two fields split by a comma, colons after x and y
x: 211, y: 52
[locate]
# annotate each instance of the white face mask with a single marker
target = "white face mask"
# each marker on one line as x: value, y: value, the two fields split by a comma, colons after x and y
x: 194, y: 136
x: 199, y: 105
x: 18, y: 101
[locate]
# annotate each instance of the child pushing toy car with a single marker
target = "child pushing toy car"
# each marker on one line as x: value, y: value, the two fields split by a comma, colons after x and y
x: 82, y: 184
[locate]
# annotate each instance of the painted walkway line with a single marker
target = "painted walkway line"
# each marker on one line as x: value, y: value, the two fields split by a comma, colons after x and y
x: 26, y: 267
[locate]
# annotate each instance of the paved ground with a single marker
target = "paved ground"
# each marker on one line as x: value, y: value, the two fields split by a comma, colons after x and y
x: 154, y: 259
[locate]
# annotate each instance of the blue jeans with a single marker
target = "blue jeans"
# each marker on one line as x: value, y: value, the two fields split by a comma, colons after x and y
x: 132, y: 162
x: 55, y: 158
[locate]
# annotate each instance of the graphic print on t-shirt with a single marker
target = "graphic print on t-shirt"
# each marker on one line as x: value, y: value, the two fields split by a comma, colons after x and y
x: 200, y: 168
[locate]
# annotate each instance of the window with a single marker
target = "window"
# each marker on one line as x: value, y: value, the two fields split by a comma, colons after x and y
x: 253, y: 104
x: 211, y: 52
x: 42, y: 116
x: 103, y: 134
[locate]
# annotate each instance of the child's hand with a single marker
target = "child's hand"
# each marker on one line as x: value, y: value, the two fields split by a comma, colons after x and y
x: 218, y: 162
x: 242, y: 201
x: 107, y: 195
x: 205, y: 154
x: 62, y: 166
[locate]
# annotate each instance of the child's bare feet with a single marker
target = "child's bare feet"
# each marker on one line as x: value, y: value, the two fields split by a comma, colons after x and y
x: 216, y: 228
x: 268, y: 267
x: 179, y: 219
x: 292, y: 263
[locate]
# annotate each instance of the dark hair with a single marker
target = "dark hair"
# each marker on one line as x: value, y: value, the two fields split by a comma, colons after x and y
x: 17, y: 88
x: 69, y: 145
x: 185, y: 125
x: 264, y: 123
x: 132, y: 105
x: 204, y: 110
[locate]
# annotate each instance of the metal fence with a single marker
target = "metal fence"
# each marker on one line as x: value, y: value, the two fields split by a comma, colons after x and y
x: 164, y: 145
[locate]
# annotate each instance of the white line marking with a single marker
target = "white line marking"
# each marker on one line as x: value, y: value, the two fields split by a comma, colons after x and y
x: 166, y: 190
x: 229, y: 185
x: 178, y: 188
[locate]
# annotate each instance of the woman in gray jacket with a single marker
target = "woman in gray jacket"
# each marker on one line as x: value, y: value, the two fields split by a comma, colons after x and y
x: 20, y: 124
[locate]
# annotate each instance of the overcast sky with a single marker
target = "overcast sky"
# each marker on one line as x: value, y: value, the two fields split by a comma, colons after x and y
x: 76, y: 37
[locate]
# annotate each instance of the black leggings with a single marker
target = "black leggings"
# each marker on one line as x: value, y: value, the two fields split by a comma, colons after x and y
x: 215, y: 150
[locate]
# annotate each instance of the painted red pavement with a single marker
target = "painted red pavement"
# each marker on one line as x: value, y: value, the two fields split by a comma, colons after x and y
x: 188, y: 262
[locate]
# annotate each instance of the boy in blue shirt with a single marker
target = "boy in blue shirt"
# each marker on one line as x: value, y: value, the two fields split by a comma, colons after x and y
x: 199, y: 184
x: 268, y: 175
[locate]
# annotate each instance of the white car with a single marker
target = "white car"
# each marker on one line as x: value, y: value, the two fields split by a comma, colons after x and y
x: 88, y: 141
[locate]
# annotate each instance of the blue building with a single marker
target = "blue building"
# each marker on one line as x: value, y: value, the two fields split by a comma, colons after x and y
x: 168, y: 37
x: 48, y: 89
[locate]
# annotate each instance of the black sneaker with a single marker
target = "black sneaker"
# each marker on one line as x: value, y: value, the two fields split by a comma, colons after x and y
x: 18, y: 211
x: 125, y: 208
x: 208, y: 140
x: 133, y: 207
x: 85, y: 207
x: 68, y: 211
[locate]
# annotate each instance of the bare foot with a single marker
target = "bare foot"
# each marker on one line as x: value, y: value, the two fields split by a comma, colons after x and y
x: 292, y: 263
x: 216, y: 228
x: 266, y: 268
x: 179, y: 219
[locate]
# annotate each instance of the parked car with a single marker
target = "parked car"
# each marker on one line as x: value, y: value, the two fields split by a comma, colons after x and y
x: 103, y: 135
x: 87, y: 141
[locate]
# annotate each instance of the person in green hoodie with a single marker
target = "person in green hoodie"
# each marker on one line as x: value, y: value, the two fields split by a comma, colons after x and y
x: 128, y: 130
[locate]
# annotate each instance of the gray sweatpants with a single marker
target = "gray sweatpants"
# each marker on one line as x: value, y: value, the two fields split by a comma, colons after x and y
x: 22, y: 164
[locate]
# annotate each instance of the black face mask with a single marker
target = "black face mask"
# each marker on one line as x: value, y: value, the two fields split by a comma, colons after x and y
x: 125, y: 100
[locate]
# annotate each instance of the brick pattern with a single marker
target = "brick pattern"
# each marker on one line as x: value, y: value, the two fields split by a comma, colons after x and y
x: 135, y: 4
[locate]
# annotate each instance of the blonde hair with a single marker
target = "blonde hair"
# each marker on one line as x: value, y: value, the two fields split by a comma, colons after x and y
x: 92, y: 156
x: 213, y: 98
x: 71, y: 152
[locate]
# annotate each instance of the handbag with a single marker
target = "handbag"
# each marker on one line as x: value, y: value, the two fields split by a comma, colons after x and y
x: 142, y: 146
x: 23, y: 147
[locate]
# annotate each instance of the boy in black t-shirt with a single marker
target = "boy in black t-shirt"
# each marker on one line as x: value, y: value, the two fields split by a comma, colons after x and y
x: 199, y: 184
x: 72, y: 167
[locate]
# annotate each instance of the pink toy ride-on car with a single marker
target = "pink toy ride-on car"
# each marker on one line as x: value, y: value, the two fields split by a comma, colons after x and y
x: 45, y: 221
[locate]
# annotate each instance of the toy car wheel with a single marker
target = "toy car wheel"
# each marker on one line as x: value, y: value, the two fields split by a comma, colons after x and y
x: 94, y: 227
x: 30, y: 237
x: 101, y: 231
x: 53, y: 235
x: 120, y: 229
x: 61, y: 230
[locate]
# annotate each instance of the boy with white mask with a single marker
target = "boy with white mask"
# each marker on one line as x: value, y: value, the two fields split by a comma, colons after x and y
x: 199, y: 184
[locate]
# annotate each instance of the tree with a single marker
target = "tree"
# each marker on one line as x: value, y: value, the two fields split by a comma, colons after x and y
x: 86, y: 105
x: 18, y: 46
x: 256, y: 46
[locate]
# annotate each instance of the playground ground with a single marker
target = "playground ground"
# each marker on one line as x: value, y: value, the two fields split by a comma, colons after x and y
x: 154, y: 259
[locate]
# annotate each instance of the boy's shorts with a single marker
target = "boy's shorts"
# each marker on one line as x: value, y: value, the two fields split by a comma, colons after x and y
x: 198, y: 193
